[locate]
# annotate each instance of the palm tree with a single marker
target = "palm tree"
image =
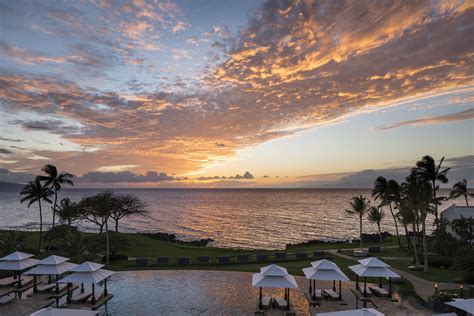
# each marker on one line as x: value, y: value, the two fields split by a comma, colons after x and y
x: 55, y: 180
x: 376, y: 215
x: 33, y: 192
x: 427, y: 170
x: 460, y: 189
x: 67, y: 211
x: 387, y: 192
x: 359, y: 206
x: 406, y: 216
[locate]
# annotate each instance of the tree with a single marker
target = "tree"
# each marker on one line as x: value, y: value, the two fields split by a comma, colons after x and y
x: 55, y: 180
x: 68, y: 211
x: 387, y: 192
x: 359, y: 206
x: 11, y: 241
x: 33, y: 192
x: 376, y: 215
x: 407, y: 217
x: 76, y: 246
x: 464, y: 228
x: 97, y: 209
x: 126, y: 205
x: 420, y: 197
x: 460, y: 189
x: 426, y: 170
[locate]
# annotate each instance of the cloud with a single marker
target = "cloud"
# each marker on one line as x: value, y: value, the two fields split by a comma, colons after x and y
x: 15, y: 177
x: 247, y: 175
x: 124, y: 176
x: 180, y: 26
x: 13, y: 140
x: 433, y: 120
x: 4, y: 151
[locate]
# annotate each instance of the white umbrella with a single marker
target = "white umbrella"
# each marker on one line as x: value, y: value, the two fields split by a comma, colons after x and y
x: 88, y: 272
x: 324, y: 270
x: 63, y: 312
x: 373, y: 268
x: 16, y: 256
x: 52, y: 265
x: 274, y: 276
x: 16, y: 262
x: 466, y: 305
x: 355, y: 312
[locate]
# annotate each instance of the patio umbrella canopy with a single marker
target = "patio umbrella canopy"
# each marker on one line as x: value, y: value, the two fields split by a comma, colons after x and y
x: 64, y: 312
x: 373, y: 268
x: 465, y: 305
x: 88, y: 272
x: 324, y: 270
x: 17, y: 261
x: 274, y: 276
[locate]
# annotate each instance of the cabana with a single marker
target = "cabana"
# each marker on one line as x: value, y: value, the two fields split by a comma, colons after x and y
x: 355, y: 312
x: 374, y: 268
x: 17, y: 262
x: 466, y: 305
x: 274, y: 276
x: 53, y: 265
x: 89, y: 273
x: 325, y: 270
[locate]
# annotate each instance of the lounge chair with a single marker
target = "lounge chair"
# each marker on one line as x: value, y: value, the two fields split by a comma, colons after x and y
x: 318, y: 293
x: 281, y: 303
x: 8, y: 281
x: 331, y: 294
x: 266, y: 302
x: 7, y: 299
x: 81, y: 297
x: 378, y: 291
x: 45, y: 288
x: 361, y: 288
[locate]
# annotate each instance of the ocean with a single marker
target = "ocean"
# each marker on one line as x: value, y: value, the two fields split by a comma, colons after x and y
x: 238, y: 218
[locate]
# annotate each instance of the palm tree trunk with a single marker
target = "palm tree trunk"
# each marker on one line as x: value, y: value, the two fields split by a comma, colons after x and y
x: 396, y: 225
x: 41, y: 227
x: 54, y: 205
x: 107, y: 239
x: 435, y: 205
x: 116, y: 225
x: 407, y: 238
x: 426, y: 267
x: 417, y: 260
x: 467, y: 203
x: 360, y: 230
x: 380, y: 234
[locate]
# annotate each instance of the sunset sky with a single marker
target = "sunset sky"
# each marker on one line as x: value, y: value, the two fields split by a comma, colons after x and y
x: 235, y: 93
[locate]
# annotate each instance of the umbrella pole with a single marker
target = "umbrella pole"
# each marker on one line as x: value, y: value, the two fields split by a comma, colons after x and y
x: 390, y: 287
x: 314, y: 290
x: 19, y: 281
x: 82, y: 288
x: 365, y: 286
x: 105, y: 288
x: 57, y: 286
x: 93, y: 293
x: 357, y: 282
x: 68, y: 295
x: 380, y: 282
x: 340, y: 291
x: 49, y: 278
x: 260, y: 299
x: 35, y: 288
x: 288, y: 305
x: 310, y: 287
x: 334, y: 285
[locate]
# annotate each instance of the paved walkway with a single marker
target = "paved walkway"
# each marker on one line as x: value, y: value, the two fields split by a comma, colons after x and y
x: 423, y: 288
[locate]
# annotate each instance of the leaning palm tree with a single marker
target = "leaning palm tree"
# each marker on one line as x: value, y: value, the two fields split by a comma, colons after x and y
x: 55, y: 180
x: 460, y: 189
x: 67, y: 212
x: 427, y: 170
x: 359, y: 206
x: 33, y: 192
x: 387, y: 192
x: 376, y: 215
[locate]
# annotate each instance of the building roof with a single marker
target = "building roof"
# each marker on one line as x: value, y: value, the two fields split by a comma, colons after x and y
x: 455, y: 211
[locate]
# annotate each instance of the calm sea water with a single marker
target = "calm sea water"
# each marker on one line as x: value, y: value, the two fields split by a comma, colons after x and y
x: 244, y: 218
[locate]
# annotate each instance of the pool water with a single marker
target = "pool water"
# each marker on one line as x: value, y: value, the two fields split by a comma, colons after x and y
x: 189, y: 293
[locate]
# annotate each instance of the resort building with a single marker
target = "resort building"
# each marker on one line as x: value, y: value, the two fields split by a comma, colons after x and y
x: 455, y: 212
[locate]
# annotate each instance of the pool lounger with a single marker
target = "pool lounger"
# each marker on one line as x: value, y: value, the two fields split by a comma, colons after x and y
x: 266, y: 302
x: 378, y: 291
x: 331, y: 294
x: 7, y: 299
x: 281, y: 303
x: 317, y: 293
x: 81, y: 297
x: 8, y: 281
x: 45, y: 288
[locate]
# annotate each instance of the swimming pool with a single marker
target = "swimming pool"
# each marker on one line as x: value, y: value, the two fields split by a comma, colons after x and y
x: 189, y: 293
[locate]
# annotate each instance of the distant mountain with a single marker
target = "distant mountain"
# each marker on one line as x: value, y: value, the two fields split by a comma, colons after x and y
x: 10, y: 187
